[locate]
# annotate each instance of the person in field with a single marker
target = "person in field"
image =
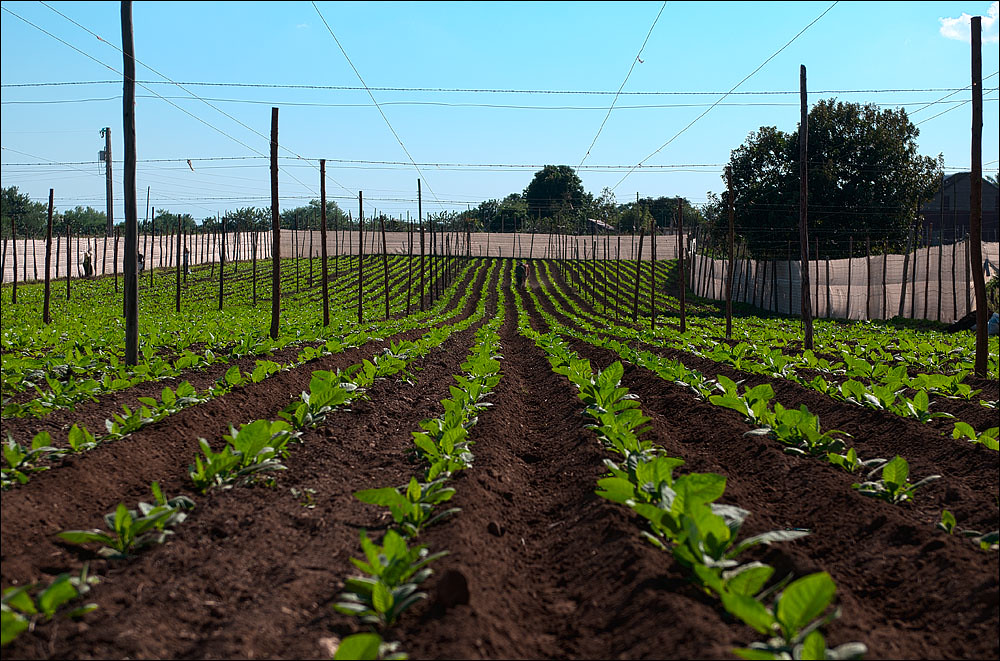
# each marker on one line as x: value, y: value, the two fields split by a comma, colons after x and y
x: 520, y: 274
x: 186, y: 263
x: 88, y: 265
x: 140, y: 262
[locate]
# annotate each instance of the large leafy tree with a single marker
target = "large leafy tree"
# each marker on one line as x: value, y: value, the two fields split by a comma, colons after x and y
x: 866, y: 179
x: 555, y: 190
x: 29, y: 217
x: 85, y: 220
x: 308, y: 216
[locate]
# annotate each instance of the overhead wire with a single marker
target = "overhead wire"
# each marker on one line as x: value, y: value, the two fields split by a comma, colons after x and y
x: 192, y: 94
x: 622, y: 86
x: 737, y: 85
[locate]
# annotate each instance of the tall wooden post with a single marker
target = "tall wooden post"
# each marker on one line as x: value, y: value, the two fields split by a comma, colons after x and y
x: 322, y: 240
x: 729, y: 274
x: 114, y: 260
x: 385, y: 266
x: 13, y: 241
x: 682, y: 248
x: 361, y: 249
x: 420, y: 222
x: 976, y: 197
x: 906, y: 264
x: 275, y: 230
x: 638, y: 264
x: 152, y: 245
x: 803, y: 206
x: 409, y: 261
x: 177, y: 301
x: 652, y: 272
x: 131, y: 219
x: 69, y: 254
x: 850, y: 273
x: 927, y: 269
x: 48, y: 260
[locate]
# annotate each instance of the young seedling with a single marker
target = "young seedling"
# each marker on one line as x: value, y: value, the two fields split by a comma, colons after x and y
x: 988, y: 439
x: 255, y: 448
x: 368, y: 647
x: 793, y: 621
x: 129, y: 531
x: 893, y: 487
x: 21, y: 461
x: 394, y: 571
x: 19, y: 610
x: 412, y: 507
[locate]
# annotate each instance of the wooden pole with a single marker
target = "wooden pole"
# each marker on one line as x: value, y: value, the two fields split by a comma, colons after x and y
x: 275, y: 230
x: 927, y: 269
x: 221, y: 266
x: 13, y: 241
x: 361, y: 249
x: 409, y: 260
x: 48, y: 260
x: 652, y: 272
x: 253, y: 257
x: 803, y: 206
x: 968, y: 277
x: 868, y: 284
x: 322, y: 240
x: 385, y: 266
x: 954, y: 274
x: 976, y: 198
x: 114, y: 259
x: 940, y: 260
x: 152, y: 246
x: 638, y: 263
x: 69, y: 256
x: 295, y: 248
x: 788, y: 256
x: 732, y: 242
x: 131, y: 220
x: 420, y: 220
x: 177, y: 299
x: 850, y: 272
x: 906, y: 263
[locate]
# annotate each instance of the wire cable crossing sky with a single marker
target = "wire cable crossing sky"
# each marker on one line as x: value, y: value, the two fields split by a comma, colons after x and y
x: 482, y: 95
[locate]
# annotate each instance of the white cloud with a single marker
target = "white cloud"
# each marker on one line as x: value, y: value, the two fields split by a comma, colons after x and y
x: 958, y: 28
x: 303, y: 26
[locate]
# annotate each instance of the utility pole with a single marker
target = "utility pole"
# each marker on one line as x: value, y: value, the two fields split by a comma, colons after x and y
x: 109, y: 193
x: 131, y: 220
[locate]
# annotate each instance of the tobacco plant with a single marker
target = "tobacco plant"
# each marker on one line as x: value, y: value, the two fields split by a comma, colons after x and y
x: 393, y: 573
x: 893, y: 486
x: 19, y: 610
x: 412, y: 507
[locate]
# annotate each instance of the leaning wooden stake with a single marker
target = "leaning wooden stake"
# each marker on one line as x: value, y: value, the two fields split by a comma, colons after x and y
x: 385, y: 266
x: 729, y: 273
x: 13, y: 241
x: 177, y: 299
x: 131, y: 219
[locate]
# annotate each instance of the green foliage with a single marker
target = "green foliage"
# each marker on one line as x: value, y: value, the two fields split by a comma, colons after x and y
x: 20, y: 461
x: 893, y: 486
x: 792, y: 621
x: 847, y: 141
x: 19, y: 610
x: 988, y: 439
x: 412, y: 506
x: 255, y: 448
x: 129, y: 531
x: 553, y: 190
x: 393, y: 572
x: 368, y: 647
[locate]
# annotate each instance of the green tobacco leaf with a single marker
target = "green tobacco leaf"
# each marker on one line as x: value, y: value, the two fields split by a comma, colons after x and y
x: 813, y: 647
x: 360, y: 646
x: 616, y: 489
x: 748, y: 579
x: 749, y: 610
x: 804, y: 600
x: 56, y: 595
x: 385, y: 496
x: 896, y: 471
x: 754, y: 654
x: 382, y: 598
x: 18, y: 597
x: 11, y: 626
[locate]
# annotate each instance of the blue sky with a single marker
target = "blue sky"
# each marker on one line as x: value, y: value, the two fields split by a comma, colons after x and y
x: 705, y: 48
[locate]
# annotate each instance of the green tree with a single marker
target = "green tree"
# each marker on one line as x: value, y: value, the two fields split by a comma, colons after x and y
x: 86, y: 221
x: 308, y: 216
x: 865, y: 179
x: 554, y: 188
x: 29, y: 217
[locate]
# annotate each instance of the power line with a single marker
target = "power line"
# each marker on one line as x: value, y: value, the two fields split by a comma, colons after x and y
x: 372, y: 96
x: 622, y: 86
x: 747, y: 77
x: 447, y: 104
x: 168, y: 79
x: 349, y: 88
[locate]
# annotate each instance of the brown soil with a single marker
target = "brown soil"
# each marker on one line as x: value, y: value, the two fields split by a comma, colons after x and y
x: 552, y: 571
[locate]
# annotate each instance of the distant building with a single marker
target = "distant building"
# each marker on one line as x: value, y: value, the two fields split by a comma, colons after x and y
x: 600, y: 227
x: 949, y: 210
